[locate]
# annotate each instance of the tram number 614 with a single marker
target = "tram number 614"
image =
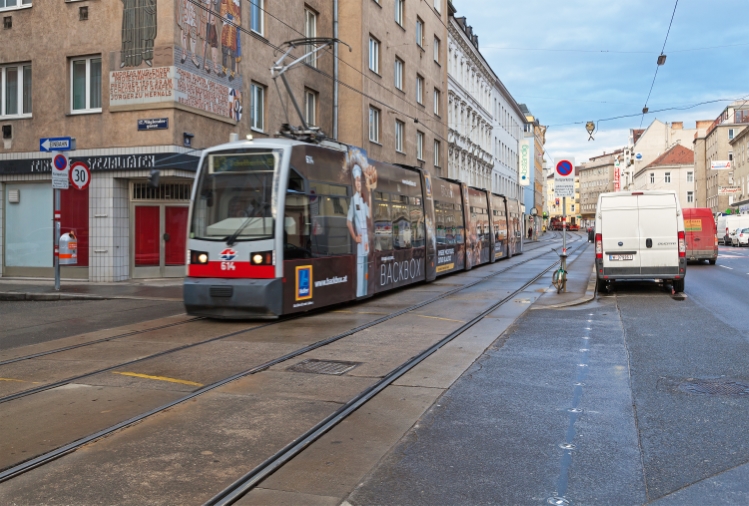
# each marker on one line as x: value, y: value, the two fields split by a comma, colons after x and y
x: 228, y: 266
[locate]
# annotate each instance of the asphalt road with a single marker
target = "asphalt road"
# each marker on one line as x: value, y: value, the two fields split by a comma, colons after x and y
x: 632, y: 399
x: 33, y: 322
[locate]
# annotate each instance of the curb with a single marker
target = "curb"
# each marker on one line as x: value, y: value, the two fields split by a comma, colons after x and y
x: 16, y: 296
x: 590, y: 294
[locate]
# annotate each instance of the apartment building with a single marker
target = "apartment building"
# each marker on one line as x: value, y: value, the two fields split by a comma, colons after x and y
x: 140, y: 85
x: 393, y: 93
x: 673, y: 170
x: 740, y: 148
x: 596, y: 177
x: 715, y: 182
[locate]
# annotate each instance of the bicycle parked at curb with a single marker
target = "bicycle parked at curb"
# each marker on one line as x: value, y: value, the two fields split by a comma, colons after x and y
x: 559, y: 278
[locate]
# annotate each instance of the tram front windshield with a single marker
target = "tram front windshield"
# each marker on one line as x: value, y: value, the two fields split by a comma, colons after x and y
x: 233, y: 198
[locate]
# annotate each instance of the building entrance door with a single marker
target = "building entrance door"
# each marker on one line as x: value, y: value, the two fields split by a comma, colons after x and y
x: 159, y: 229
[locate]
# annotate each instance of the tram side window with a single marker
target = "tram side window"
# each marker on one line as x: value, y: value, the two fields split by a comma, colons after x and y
x: 440, y: 222
x: 297, y: 225
x: 401, y: 222
x: 329, y: 206
x: 418, y: 236
x: 458, y: 228
x: 383, y: 223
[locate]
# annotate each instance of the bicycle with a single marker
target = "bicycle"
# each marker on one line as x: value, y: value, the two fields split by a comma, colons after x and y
x: 559, y: 278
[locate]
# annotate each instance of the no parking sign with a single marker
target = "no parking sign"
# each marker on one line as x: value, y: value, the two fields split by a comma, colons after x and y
x: 564, y: 177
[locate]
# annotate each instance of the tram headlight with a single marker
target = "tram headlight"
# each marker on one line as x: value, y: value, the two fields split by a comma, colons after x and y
x: 262, y: 258
x: 198, y: 257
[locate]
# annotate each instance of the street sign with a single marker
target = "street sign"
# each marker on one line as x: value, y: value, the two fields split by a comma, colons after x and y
x: 80, y: 175
x: 564, y: 177
x: 153, y: 124
x: 55, y: 144
x: 60, y: 171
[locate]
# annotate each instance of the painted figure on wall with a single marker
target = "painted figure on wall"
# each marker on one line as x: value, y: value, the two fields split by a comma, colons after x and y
x: 138, y: 32
x: 188, y: 21
x: 231, y: 47
x: 360, y: 213
x: 210, y: 35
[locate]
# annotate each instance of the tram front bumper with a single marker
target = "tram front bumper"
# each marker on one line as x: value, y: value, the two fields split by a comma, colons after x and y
x: 233, y: 298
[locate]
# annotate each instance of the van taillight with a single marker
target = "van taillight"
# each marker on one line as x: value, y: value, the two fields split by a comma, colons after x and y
x: 682, y: 244
x: 599, y: 246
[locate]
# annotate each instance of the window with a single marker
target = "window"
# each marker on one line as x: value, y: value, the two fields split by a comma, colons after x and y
x: 310, y: 107
x: 690, y: 177
x: 86, y: 86
x: 420, y: 32
x: 438, y: 5
x: 399, y: 73
x: 16, y: 90
x: 667, y: 177
x: 436, y: 50
x: 400, y: 128
x: 374, y: 55
x: 437, y: 100
x: 419, y: 89
x: 10, y: 4
x: 400, y: 6
x: 310, y: 31
x: 419, y: 145
x: 730, y: 134
x: 437, y: 148
x: 652, y: 177
x: 256, y: 16
x: 690, y: 197
x: 374, y: 124
x: 730, y: 156
x: 257, y: 107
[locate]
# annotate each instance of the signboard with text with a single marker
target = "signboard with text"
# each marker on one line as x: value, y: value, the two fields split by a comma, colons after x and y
x: 564, y: 177
x: 721, y: 165
x: 526, y: 162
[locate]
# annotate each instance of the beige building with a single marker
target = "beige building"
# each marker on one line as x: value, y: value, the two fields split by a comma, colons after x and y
x: 740, y: 147
x: 596, y: 177
x: 673, y: 170
x: 393, y: 101
x: 716, y: 185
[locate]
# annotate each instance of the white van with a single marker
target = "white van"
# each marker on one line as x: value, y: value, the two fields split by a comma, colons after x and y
x: 640, y: 235
x: 727, y: 223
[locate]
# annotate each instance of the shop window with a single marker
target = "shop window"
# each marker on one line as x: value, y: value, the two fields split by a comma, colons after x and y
x: 74, y: 205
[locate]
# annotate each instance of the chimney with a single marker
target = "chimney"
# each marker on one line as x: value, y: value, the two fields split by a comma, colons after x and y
x: 462, y: 22
x: 704, y: 123
x: 469, y: 32
x: 677, y: 125
x: 476, y: 41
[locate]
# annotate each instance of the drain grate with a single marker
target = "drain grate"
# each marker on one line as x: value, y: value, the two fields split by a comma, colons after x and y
x: 714, y: 387
x: 313, y: 366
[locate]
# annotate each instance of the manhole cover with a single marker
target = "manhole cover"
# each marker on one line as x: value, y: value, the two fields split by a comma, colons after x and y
x: 334, y: 367
x: 714, y: 387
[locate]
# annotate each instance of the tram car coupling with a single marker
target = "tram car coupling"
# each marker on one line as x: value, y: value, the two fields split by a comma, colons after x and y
x: 279, y: 226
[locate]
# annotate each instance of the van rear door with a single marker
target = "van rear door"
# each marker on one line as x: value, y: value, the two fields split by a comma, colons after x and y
x: 659, y: 234
x: 619, y: 232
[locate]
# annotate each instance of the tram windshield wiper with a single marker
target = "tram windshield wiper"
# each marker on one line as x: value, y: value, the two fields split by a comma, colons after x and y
x: 232, y: 239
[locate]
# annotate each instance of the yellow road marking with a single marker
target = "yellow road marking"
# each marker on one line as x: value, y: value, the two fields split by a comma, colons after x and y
x: 343, y: 311
x: 159, y: 378
x: 19, y: 381
x: 438, y: 318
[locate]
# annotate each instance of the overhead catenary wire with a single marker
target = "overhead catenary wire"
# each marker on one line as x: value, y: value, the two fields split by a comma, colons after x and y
x: 645, y: 108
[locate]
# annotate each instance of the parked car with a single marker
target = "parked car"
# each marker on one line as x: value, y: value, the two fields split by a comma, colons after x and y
x: 702, y: 239
x: 740, y: 238
x: 640, y: 235
x: 732, y: 240
x: 728, y: 223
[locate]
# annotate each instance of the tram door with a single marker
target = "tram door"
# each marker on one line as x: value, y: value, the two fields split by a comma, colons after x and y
x: 159, y: 234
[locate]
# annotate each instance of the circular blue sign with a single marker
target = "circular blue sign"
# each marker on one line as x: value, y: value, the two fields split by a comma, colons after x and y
x: 60, y: 162
x: 564, y: 168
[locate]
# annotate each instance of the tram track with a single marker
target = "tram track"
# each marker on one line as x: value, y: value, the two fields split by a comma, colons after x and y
x: 68, y: 448
x: 66, y: 381
x: 247, y: 482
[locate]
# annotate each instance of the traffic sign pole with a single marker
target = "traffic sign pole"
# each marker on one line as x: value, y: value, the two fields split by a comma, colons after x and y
x: 56, y: 229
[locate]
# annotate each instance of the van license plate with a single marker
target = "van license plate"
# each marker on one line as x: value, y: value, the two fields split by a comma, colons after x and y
x: 621, y: 257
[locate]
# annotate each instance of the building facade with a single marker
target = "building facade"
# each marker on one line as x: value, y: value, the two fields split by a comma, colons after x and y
x: 178, y: 76
x: 393, y: 97
x: 740, y: 148
x: 508, y: 127
x: 673, y: 170
x: 470, y: 156
x: 596, y: 177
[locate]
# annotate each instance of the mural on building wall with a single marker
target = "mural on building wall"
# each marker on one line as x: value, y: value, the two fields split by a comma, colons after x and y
x: 139, y: 26
x: 201, y: 72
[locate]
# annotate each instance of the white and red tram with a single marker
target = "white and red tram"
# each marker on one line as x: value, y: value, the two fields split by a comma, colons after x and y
x: 279, y: 226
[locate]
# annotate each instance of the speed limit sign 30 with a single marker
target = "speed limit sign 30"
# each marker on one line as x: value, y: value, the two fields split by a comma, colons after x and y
x: 80, y: 175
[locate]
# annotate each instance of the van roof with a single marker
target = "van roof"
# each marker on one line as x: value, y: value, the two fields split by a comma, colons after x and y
x: 640, y: 192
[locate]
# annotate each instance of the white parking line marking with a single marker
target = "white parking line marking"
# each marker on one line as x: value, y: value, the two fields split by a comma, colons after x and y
x: 730, y: 268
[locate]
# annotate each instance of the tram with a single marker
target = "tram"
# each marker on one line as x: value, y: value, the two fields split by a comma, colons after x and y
x: 279, y: 226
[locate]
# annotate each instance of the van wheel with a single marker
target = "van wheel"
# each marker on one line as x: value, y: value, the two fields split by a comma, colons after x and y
x: 712, y: 262
x: 678, y: 285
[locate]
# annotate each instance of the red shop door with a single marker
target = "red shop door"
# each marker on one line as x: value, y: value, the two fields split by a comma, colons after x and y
x: 160, y: 245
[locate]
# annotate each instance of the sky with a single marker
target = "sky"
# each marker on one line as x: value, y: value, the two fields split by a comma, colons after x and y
x: 574, y: 61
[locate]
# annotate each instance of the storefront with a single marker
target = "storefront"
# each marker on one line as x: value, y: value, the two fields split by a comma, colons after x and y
x: 124, y: 227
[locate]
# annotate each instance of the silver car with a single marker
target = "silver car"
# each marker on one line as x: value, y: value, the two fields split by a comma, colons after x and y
x: 740, y: 237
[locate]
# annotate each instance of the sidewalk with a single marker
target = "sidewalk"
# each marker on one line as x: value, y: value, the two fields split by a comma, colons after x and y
x: 44, y: 289
x: 581, y: 283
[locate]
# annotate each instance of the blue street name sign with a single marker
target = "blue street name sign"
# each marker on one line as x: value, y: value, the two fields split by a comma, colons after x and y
x: 153, y: 124
x: 56, y: 144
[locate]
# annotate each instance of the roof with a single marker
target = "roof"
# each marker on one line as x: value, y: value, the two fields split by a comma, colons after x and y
x: 636, y: 134
x: 678, y: 155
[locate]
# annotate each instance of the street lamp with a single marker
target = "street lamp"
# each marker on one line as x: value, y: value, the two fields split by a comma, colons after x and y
x: 590, y: 127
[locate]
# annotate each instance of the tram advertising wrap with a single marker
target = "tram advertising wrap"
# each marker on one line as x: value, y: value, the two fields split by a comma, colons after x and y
x: 280, y: 226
